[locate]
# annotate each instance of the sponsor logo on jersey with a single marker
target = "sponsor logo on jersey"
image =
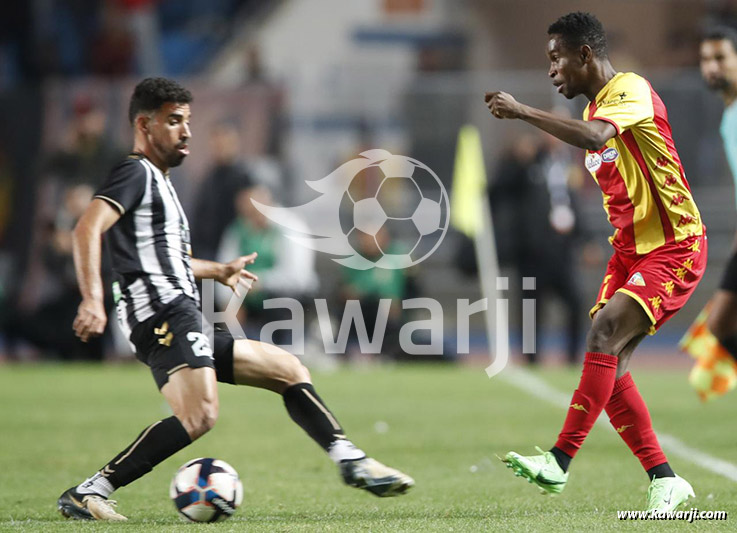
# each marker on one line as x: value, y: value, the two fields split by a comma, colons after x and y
x: 615, y: 101
x: 637, y: 280
x: 593, y: 161
x: 609, y: 155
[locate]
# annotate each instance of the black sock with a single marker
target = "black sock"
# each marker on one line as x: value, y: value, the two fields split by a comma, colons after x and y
x: 663, y: 470
x: 730, y: 344
x: 157, y: 442
x: 308, y: 410
x: 562, y: 458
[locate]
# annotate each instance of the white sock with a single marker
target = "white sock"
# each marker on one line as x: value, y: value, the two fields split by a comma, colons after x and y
x: 97, y: 484
x: 344, y: 450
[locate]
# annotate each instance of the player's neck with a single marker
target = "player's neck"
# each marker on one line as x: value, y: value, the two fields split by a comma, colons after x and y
x: 603, y: 72
x: 729, y: 95
x: 148, y: 154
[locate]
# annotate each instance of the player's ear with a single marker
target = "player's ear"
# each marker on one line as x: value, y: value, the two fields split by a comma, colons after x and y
x: 142, y: 122
x: 586, y: 53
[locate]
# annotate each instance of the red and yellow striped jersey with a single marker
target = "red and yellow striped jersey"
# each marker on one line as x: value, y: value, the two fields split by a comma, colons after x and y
x: 646, y: 195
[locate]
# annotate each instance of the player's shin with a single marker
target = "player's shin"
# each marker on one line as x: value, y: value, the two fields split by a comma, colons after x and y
x: 156, y: 443
x: 308, y: 410
x: 630, y: 417
x: 589, y: 399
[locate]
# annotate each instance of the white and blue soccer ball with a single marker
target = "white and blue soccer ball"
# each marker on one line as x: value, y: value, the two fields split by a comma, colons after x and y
x: 206, y: 490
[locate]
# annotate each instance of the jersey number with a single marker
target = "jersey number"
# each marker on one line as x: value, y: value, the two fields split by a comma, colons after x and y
x: 200, y: 345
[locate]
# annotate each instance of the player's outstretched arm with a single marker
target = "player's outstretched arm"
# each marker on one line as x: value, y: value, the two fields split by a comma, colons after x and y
x: 87, y: 250
x: 232, y: 274
x: 589, y: 135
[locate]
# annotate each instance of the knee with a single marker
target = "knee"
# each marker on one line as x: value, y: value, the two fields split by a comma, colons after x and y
x: 295, y: 372
x: 603, y: 338
x: 200, y: 420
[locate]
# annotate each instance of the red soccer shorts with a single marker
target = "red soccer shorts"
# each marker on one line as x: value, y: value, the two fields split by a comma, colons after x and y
x: 661, y: 281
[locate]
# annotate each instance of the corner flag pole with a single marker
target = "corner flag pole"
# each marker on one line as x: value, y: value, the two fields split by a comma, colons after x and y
x: 471, y: 214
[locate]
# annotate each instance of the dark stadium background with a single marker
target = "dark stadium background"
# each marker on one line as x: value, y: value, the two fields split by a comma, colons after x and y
x: 309, y: 85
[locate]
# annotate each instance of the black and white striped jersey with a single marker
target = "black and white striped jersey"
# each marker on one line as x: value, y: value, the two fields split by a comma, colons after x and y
x: 150, y: 245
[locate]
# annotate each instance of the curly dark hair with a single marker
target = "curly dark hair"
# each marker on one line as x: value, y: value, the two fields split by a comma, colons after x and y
x: 150, y: 94
x: 720, y: 33
x: 578, y: 29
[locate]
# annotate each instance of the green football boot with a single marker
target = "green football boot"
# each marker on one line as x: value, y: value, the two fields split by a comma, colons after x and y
x: 543, y: 470
x: 667, y: 493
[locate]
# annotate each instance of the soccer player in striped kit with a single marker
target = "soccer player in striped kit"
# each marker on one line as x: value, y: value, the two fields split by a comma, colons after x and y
x: 659, y: 246
x: 159, y: 307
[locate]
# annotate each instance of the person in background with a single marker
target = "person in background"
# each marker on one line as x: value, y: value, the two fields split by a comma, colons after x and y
x: 284, y: 268
x: 719, y: 69
x: 215, y: 208
x: 86, y: 155
x: 47, y: 327
x: 533, y: 191
x: 372, y: 285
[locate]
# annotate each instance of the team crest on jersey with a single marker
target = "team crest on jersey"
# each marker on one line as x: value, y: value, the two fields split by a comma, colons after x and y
x: 593, y: 161
x: 637, y: 280
x: 609, y: 155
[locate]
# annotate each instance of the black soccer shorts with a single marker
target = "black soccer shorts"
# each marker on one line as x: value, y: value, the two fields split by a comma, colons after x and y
x: 173, y: 339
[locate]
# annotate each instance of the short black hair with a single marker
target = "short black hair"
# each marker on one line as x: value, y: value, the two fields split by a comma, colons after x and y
x: 720, y: 33
x: 580, y: 28
x: 151, y: 93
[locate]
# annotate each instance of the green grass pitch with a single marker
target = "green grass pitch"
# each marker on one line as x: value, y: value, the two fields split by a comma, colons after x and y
x: 445, y: 425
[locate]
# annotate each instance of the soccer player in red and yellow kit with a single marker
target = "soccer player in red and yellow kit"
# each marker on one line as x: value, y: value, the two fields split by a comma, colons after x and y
x: 659, y: 246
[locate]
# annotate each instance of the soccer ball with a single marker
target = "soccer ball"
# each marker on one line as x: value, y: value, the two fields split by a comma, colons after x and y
x: 206, y: 490
x: 400, y: 207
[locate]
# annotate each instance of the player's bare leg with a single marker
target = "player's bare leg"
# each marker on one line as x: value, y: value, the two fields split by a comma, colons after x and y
x: 269, y: 367
x: 192, y: 396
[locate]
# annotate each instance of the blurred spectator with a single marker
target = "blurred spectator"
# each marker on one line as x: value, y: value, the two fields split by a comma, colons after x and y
x: 215, y: 207
x: 48, y: 327
x: 113, y: 49
x: 538, y: 227
x: 372, y: 285
x: 284, y: 268
x: 144, y: 38
x: 86, y: 156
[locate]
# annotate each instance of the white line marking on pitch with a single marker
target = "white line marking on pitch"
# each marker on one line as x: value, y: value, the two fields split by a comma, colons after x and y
x: 539, y: 388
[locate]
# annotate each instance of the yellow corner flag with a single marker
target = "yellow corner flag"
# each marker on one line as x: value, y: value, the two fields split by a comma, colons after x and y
x: 469, y: 182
